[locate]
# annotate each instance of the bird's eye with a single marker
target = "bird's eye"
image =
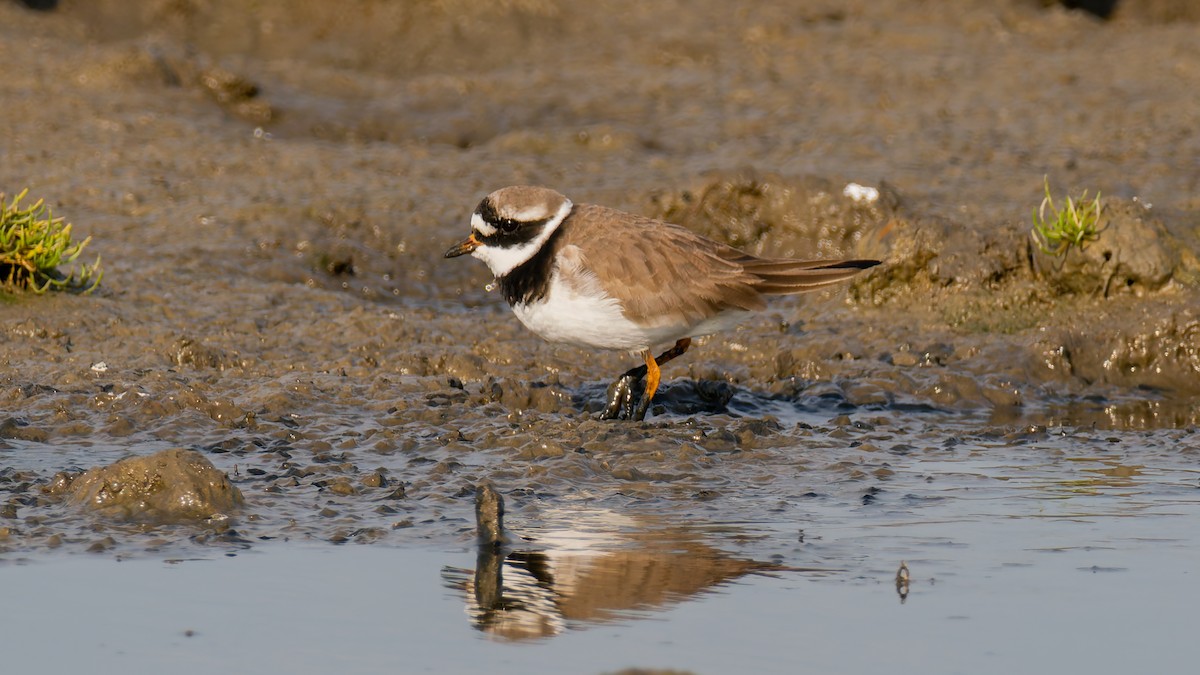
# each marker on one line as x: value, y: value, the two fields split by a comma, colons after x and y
x: 509, y: 226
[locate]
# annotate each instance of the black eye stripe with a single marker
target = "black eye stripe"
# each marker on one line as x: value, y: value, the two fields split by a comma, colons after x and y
x: 521, y: 232
x: 511, y: 225
x: 509, y: 231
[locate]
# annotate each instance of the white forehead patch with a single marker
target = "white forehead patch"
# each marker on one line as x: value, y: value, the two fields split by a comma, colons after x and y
x: 481, y: 226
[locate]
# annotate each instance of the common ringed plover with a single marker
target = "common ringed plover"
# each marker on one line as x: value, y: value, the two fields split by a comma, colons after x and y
x: 596, y: 277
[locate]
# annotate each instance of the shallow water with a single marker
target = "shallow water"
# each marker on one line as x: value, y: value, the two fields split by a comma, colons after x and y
x: 1027, y: 548
x: 1033, y: 575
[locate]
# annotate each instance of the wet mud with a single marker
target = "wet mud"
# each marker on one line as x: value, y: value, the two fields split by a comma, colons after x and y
x: 271, y: 189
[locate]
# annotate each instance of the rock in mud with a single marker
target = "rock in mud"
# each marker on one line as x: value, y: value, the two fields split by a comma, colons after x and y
x: 20, y: 429
x: 1134, y: 253
x: 777, y: 216
x: 169, y: 486
x: 928, y: 254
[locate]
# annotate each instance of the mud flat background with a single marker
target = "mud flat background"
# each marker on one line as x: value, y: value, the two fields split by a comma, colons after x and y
x: 271, y: 185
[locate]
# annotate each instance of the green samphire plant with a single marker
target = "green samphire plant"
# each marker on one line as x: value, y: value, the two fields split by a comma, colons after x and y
x: 33, y: 244
x: 1075, y: 225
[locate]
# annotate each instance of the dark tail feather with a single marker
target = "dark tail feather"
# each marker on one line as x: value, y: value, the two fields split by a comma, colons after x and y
x: 781, y: 277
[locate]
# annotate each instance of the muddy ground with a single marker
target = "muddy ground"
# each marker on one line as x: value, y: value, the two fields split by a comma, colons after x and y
x: 271, y: 188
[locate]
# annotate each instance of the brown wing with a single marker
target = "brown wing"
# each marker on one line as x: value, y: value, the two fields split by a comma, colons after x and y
x: 782, y: 276
x: 667, y: 272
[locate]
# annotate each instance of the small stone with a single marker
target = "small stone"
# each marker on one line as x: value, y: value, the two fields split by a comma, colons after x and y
x: 168, y: 486
x: 341, y: 486
x: 375, y: 479
x: 102, y: 545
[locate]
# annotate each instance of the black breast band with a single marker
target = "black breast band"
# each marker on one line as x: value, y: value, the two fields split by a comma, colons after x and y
x: 530, y: 281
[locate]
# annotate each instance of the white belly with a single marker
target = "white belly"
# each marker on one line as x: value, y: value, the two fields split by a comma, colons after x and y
x: 596, y: 321
x: 584, y: 321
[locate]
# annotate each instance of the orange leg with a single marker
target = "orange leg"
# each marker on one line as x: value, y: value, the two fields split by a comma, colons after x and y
x: 654, y: 373
x: 622, y: 396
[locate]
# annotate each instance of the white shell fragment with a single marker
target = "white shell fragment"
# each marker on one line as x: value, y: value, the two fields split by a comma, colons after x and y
x: 861, y: 193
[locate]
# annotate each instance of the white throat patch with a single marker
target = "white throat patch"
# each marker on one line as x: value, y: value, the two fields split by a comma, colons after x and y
x: 504, y: 260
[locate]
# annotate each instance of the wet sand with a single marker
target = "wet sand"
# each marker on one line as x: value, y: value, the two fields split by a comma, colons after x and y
x: 271, y: 190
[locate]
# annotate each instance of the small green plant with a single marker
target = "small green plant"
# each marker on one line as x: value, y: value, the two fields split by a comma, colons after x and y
x: 32, y: 246
x: 1075, y: 225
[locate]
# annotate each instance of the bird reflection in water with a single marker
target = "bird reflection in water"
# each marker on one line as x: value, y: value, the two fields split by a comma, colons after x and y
x: 604, y: 568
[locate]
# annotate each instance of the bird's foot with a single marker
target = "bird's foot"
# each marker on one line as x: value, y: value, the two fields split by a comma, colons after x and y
x: 625, y: 397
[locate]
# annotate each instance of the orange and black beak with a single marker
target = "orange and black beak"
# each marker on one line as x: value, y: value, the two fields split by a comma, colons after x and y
x: 463, y: 247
